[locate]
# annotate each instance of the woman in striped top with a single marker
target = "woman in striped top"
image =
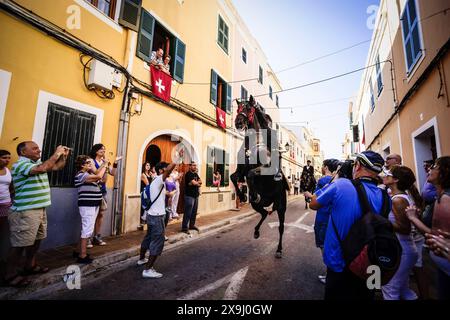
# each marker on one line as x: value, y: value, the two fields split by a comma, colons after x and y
x: 89, y: 201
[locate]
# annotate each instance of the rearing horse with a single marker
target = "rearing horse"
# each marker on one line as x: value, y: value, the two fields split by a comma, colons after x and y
x: 258, y: 162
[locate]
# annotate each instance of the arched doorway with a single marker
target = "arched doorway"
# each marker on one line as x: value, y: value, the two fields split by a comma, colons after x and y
x: 161, y: 149
x: 153, y: 155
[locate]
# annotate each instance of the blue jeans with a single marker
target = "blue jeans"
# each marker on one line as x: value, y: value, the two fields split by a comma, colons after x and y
x: 190, y: 212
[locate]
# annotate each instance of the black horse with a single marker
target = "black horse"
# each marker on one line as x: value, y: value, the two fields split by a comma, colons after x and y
x: 307, y: 183
x: 259, y: 163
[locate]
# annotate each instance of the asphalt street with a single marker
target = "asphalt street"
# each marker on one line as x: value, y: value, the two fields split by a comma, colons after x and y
x: 228, y: 264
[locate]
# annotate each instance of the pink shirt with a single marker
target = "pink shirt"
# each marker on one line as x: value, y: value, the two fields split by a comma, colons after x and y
x: 441, y: 214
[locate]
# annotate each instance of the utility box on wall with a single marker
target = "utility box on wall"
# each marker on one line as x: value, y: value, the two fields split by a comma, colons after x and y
x: 101, y: 76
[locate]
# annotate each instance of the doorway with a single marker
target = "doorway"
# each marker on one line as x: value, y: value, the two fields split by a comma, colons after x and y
x: 425, y: 148
x: 160, y: 149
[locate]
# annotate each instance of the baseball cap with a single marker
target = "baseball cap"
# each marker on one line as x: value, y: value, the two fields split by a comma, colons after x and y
x: 371, y: 160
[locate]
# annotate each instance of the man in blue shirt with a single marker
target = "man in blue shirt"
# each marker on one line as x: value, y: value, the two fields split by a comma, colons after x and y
x: 342, y: 197
x: 329, y: 166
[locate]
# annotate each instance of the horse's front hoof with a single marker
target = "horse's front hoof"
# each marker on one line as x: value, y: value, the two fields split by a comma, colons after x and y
x: 278, y: 255
x: 256, y: 235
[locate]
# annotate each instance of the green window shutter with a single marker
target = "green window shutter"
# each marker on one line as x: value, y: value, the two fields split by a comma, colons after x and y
x: 209, y: 167
x: 180, y: 54
x: 145, y: 37
x: 229, y: 99
x: 226, y: 174
x: 218, y: 156
x: 213, y: 92
x: 130, y: 13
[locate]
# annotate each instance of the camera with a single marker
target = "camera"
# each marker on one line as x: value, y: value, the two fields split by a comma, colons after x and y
x: 346, y: 169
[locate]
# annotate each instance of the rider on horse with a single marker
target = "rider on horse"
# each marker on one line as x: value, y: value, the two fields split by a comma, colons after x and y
x: 258, y: 154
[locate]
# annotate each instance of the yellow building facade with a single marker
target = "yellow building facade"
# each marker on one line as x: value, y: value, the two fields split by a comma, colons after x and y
x: 54, y: 60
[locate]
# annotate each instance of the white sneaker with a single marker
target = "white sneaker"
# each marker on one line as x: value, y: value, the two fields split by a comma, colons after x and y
x: 323, y: 279
x: 89, y: 244
x: 140, y: 262
x: 151, y: 273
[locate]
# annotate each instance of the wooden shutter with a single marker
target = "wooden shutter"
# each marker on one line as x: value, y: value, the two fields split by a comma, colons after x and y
x: 213, y: 91
x: 229, y: 98
x: 209, y: 167
x: 72, y: 128
x: 180, y: 54
x: 145, y: 37
x: 130, y: 13
x: 226, y: 175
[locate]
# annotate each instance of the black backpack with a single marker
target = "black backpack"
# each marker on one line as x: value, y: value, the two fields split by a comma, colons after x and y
x: 371, y: 239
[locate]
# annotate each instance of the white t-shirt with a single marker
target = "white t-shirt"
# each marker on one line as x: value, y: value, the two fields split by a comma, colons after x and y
x: 159, y: 207
x: 5, y: 181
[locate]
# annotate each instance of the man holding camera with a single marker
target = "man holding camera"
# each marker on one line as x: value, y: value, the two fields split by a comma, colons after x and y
x: 28, y: 220
x: 342, y: 197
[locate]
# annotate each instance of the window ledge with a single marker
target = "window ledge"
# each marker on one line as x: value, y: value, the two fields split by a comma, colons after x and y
x: 410, y: 75
x: 222, y: 49
x: 100, y: 15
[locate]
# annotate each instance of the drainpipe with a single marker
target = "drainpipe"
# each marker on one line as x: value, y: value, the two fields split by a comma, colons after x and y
x: 119, y: 188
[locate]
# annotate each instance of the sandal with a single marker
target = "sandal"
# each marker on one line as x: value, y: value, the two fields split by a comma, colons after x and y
x: 37, y: 269
x: 13, y: 282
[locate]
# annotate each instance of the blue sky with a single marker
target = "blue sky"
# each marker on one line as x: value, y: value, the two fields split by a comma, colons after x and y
x: 294, y: 31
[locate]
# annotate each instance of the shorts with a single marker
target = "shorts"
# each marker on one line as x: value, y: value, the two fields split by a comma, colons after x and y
x: 88, y: 216
x: 27, y: 226
x: 104, y: 205
x: 154, y: 239
x: 320, y: 230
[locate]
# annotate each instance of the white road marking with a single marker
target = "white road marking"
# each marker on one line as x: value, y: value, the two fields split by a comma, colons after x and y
x: 296, y: 224
x: 235, y: 279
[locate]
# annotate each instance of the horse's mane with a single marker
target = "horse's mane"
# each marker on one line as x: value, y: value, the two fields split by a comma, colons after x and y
x: 264, y: 119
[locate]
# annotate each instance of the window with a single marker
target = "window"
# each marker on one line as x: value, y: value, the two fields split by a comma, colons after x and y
x: 372, y: 99
x: 152, y: 36
x: 379, y: 76
x: 260, y: 79
x: 108, y: 7
x: 217, y: 160
x: 244, y: 55
x: 222, y: 38
x: 277, y: 101
x: 270, y: 92
x: 68, y: 127
x: 244, y: 93
x: 411, y: 38
x: 130, y: 13
x: 351, y: 120
x: 220, y: 92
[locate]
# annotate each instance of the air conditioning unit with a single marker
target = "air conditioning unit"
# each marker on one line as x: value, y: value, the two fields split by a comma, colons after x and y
x: 101, y: 76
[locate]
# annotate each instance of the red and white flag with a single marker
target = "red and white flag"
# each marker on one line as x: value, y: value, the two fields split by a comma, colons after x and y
x: 161, y: 84
x: 221, y: 118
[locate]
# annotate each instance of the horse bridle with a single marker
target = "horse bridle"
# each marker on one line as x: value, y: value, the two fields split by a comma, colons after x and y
x: 251, y: 114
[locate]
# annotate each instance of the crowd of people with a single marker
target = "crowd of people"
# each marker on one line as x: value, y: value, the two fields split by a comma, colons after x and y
x: 25, y: 195
x: 420, y: 221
